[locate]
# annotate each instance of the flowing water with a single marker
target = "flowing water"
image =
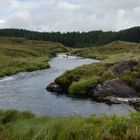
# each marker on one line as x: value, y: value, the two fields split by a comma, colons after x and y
x: 26, y: 91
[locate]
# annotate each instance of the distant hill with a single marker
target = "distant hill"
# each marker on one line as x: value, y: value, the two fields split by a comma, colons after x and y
x: 18, y: 54
x: 77, y: 39
x: 111, y: 52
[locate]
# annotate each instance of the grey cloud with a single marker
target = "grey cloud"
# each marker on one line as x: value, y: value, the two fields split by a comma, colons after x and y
x: 70, y: 15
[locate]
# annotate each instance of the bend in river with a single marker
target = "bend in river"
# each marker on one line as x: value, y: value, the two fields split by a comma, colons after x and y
x: 26, y: 91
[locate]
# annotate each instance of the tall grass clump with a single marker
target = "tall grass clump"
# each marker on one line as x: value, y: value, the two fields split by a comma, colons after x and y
x: 83, y: 86
x: 15, y: 125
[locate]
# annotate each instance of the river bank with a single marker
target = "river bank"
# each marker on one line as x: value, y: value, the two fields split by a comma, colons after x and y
x: 79, y: 82
x: 116, y: 77
x: 21, y: 55
x: 26, y: 91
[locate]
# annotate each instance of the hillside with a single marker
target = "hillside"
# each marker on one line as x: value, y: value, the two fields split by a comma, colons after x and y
x: 114, y: 51
x: 77, y: 39
x: 117, y: 74
x: 19, y: 54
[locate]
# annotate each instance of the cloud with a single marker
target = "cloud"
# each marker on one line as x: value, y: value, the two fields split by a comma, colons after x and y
x: 66, y: 5
x: 69, y: 15
x: 2, y: 21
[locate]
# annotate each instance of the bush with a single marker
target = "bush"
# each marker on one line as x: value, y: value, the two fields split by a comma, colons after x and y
x: 10, y: 116
x: 14, y: 115
x: 83, y: 86
x: 128, y: 76
x: 66, y: 79
x: 107, y: 76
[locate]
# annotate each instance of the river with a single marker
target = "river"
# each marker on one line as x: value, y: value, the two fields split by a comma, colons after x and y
x: 26, y: 91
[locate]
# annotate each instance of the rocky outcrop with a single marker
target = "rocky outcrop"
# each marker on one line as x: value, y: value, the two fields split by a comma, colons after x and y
x: 113, y: 88
x: 108, y: 100
x: 123, y: 66
x: 137, y: 84
x: 135, y: 104
x: 114, y: 91
x: 53, y: 87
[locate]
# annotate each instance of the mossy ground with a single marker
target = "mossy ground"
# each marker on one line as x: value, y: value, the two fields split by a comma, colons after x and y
x: 16, y: 125
x: 25, y: 55
x: 112, y: 52
x: 79, y: 81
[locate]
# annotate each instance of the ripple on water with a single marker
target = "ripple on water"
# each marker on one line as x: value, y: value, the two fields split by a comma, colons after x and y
x: 26, y: 91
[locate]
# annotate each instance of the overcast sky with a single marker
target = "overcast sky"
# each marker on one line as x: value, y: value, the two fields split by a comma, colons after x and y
x: 69, y: 15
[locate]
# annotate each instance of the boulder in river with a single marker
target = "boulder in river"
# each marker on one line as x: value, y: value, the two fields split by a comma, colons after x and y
x: 135, y: 104
x: 53, y: 87
x: 114, y: 88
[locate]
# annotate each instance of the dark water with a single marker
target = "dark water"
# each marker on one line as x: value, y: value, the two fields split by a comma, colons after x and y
x: 26, y: 91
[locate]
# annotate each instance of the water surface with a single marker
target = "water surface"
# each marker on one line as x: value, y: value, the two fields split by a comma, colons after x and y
x: 26, y: 91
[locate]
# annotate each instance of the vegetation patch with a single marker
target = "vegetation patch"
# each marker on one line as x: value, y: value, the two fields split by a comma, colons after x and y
x: 112, y: 52
x: 102, y: 127
x: 116, y: 64
x: 83, y: 86
x: 18, y: 55
x: 80, y: 81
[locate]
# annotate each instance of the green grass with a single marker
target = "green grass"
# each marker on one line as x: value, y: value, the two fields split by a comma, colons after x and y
x: 112, y: 52
x: 16, y: 125
x: 81, y: 81
x: 26, y: 55
x: 83, y: 86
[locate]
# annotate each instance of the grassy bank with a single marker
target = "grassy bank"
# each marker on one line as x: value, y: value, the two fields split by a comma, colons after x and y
x: 17, y: 54
x: 16, y: 125
x: 80, y: 81
x: 112, y: 52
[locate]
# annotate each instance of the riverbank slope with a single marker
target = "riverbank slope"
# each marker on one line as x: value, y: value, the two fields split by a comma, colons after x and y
x: 19, y: 54
x: 117, y: 74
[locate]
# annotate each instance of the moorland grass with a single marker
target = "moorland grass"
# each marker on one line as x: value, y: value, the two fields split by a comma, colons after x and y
x: 18, y: 55
x: 15, y: 125
x: 79, y: 81
x: 112, y: 52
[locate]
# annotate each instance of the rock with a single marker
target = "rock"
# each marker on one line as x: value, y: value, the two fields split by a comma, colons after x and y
x: 113, y: 88
x: 112, y: 100
x: 135, y: 104
x: 19, y: 40
x: 137, y: 84
x: 123, y: 66
x: 53, y: 87
x: 108, y: 100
